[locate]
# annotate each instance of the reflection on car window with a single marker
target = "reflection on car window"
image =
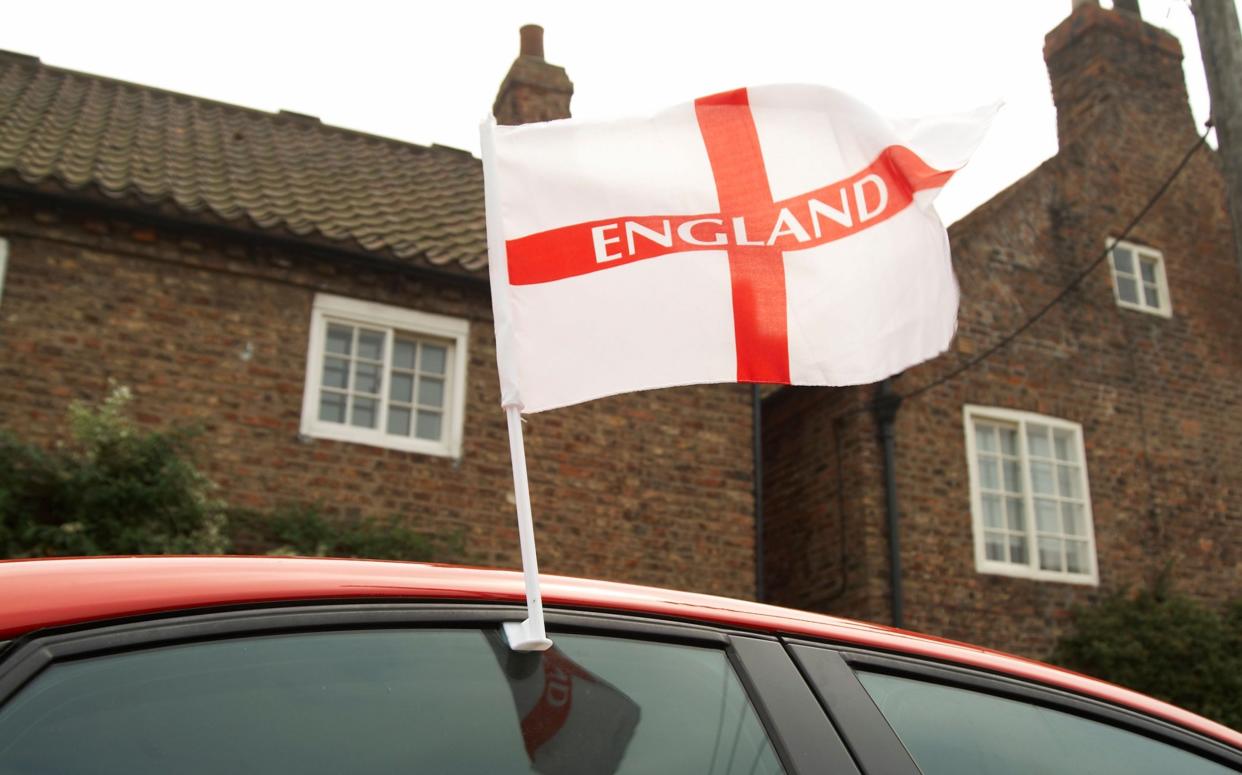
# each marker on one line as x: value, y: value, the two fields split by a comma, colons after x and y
x: 952, y: 731
x: 388, y: 701
x: 566, y: 713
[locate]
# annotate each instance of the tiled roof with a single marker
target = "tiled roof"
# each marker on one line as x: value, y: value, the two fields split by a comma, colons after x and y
x: 280, y: 172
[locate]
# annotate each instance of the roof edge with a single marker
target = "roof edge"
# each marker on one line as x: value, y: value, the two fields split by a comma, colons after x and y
x: 167, y: 212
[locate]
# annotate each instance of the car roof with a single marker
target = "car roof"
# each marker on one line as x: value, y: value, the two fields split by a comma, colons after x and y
x: 46, y: 593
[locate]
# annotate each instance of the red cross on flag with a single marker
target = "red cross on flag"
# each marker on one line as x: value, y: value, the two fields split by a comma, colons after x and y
x: 780, y: 234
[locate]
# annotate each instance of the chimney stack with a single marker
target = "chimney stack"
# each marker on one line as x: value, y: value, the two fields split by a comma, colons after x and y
x: 1110, y: 65
x: 533, y: 90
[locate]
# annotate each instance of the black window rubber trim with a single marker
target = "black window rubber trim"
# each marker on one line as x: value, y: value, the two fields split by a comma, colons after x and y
x: 804, y: 739
x: 1037, y: 694
x: 866, y: 732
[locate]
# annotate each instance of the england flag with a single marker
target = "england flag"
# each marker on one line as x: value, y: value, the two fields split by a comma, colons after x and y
x: 779, y: 234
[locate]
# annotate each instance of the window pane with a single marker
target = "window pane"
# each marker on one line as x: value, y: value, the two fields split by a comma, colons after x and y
x: 431, y: 392
x: 1050, y: 554
x: 1013, y: 508
x: 398, y: 421
x: 1065, y: 447
x: 428, y: 425
x: 363, y: 414
x: 951, y: 731
x: 366, y: 378
x: 1041, y: 479
x: 335, y: 372
x: 1148, y: 268
x: 402, y: 388
x: 371, y: 345
x: 1068, y: 483
x: 403, y: 351
x: 433, y: 359
x: 1076, y: 557
x: 446, y: 701
x: 1127, y: 289
x: 1013, y: 476
x: 992, y: 511
x: 985, y: 438
x: 1037, y: 440
x: 989, y: 473
x: 339, y: 339
x: 994, y: 544
x: 1047, y: 519
x: 331, y: 407
x: 1017, y: 550
x: 1009, y: 441
x: 1152, y: 296
x: 1075, y: 522
x: 1123, y: 260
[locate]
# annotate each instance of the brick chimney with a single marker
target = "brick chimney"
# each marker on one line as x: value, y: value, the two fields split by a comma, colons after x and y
x: 533, y: 90
x: 1110, y: 64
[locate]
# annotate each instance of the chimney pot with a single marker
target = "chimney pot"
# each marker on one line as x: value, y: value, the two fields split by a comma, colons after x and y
x: 1131, y: 6
x: 532, y: 41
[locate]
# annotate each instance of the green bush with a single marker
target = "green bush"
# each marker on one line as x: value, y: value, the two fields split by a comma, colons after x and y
x: 304, y: 530
x: 1164, y: 645
x: 110, y: 490
x: 114, y: 488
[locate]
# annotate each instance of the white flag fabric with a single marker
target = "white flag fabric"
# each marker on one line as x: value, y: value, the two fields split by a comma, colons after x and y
x: 778, y: 234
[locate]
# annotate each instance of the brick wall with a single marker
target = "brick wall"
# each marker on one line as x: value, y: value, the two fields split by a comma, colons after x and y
x: 652, y: 487
x: 1159, y: 400
x: 823, y: 524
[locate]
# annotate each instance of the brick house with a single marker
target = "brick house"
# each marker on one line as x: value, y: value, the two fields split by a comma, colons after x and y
x: 233, y: 266
x: 317, y: 300
x: 1101, y: 446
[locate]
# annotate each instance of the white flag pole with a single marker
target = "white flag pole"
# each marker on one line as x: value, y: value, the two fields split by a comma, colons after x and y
x: 528, y: 635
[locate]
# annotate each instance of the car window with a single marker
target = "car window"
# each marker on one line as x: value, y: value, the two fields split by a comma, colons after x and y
x: 951, y: 731
x: 388, y: 701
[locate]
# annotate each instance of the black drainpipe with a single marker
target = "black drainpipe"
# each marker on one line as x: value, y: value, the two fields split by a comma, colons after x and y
x: 886, y: 405
x: 757, y: 424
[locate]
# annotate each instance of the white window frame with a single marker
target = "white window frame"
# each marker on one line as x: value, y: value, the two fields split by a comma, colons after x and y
x: 456, y: 331
x: 1141, y: 252
x: 4, y: 264
x: 971, y: 413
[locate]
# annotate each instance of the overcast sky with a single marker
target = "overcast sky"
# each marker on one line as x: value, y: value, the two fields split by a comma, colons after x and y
x: 427, y: 72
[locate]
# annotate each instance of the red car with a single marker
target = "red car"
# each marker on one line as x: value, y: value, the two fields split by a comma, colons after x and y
x: 239, y: 665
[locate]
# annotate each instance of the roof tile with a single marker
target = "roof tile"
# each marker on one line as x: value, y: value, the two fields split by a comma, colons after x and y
x: 282, y: 171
